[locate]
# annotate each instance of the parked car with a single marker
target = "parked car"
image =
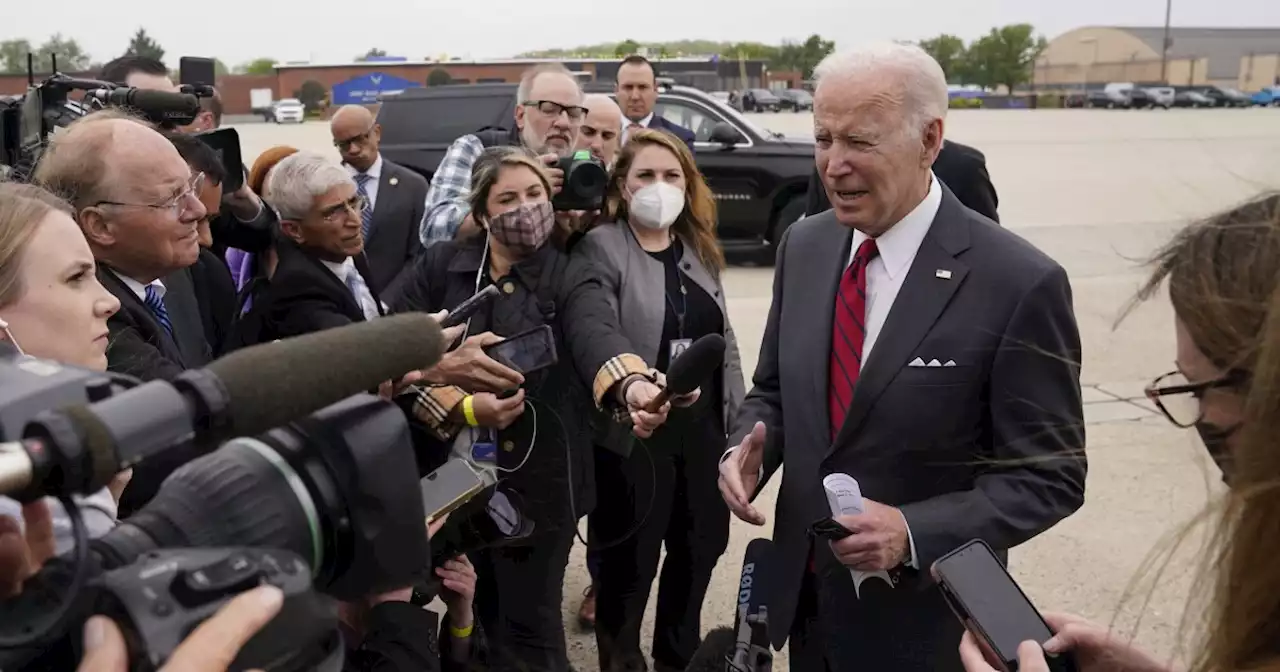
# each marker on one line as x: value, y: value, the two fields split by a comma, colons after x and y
x: 1140, y: 99
x: 1109, y: 99
x: 1075, y: 100
x: 759, y: 178
x: 1161, y: 96
x: 1268, y: 97
x: 288, y: 110
x: 1225, y: 97
x: 760, y: 100
x: 1192, y: 99
x: 796, y: 100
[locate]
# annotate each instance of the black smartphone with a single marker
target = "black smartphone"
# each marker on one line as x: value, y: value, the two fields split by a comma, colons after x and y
x: 829, y: 529
x: 196, y: 71
x: 467, y: 308
x: 449, y: 487
x: 527, y: 351
x: 225, y: 142
x: 991, y: 605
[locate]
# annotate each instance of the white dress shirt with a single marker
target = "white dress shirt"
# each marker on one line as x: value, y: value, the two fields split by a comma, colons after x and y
x: 626, y: 125
x: 350, y: 277
x: 375, y: 176
x: 140, y: 289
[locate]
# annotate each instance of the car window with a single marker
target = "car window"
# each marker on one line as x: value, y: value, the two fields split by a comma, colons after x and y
x: 696, y: 119
x: 442, y: 118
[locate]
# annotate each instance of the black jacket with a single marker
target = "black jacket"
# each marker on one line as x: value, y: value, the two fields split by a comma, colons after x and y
x: 403, y: 637
x: 961, y: 167
x: 216, y: 293
x: 565, y: 292
x: 304, y: 296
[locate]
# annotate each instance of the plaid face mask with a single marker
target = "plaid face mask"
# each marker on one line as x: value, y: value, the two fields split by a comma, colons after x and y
x: 524, y: 229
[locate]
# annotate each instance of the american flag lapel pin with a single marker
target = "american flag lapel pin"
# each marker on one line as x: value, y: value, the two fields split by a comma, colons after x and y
x: 942, y: 273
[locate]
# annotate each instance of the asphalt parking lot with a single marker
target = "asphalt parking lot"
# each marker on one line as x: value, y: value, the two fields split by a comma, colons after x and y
x: 1098, y: 190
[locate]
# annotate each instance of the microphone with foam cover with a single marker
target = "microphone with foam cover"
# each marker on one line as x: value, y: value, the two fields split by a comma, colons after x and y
x: 689, y: 370
x: 159, y: 106
x: 79, y: 449
x: 751, y: 623
x: 714, y: 652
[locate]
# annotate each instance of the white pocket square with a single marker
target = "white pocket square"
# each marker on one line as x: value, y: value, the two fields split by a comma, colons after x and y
x: 932, y: 364
x: 916, y: 362
x: 950, y: 362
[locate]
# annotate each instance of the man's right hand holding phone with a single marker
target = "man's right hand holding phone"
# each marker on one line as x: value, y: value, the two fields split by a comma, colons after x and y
x: 1095, y: 649
x: 470, y: 368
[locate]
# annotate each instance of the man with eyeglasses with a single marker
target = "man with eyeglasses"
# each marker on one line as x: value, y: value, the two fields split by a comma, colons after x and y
x: 548, y: 116
x: 396, y: 195
x: 138, y: 204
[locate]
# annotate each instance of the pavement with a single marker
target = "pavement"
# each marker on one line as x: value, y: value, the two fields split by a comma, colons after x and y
x: 1099, y: 191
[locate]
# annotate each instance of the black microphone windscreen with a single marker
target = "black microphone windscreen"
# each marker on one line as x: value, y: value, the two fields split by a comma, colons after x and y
x: 276, y: 383
x: 753, y: 587
x: 696, y: 364
x: 158, y: 101
x: 713, y: 653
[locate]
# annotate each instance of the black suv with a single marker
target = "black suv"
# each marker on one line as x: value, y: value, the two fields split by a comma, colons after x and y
x: 759, y: 177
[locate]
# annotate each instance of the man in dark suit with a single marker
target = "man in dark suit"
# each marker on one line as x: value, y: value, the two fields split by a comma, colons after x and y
x: 396, y: 195
x: 961, y: 167
x: 919, y: 348
x: 321, y: 280
x: 637, y: 94
x: 138, y: 204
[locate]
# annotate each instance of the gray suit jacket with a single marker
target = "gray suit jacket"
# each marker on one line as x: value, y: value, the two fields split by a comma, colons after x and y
x: 393, y: 241
x: 991, y: 448
x: 636, y: 284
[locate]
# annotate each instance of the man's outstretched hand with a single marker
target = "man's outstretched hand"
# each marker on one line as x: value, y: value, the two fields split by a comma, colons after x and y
x: 740, y: 475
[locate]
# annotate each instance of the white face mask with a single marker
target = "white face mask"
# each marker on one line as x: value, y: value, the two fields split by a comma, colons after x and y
x: 657, y: 205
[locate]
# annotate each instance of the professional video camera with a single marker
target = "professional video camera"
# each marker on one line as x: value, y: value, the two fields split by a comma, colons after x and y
x: 27, y: 122
x: 585, y: 182
x: 336, y: 491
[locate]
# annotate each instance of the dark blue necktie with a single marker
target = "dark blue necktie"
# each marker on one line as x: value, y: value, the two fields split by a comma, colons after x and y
x: 366, y: 215
x: 156, y: 304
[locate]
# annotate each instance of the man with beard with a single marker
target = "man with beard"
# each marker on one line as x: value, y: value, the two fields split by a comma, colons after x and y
x: 548, y: 115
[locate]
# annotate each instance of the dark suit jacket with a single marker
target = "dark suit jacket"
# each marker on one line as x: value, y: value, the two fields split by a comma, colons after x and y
x: 961, y: 167
x: 660, y: 124
x: 140, y: 347
x: 304, y: 296
x: 393, y: 240
x: 991, y: 448
x: 216, y: 293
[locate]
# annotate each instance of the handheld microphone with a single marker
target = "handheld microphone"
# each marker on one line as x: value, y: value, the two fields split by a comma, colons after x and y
x: 698, y: 363
x: 751, y: 652
x: 714, y: 653
x: 79, y: 449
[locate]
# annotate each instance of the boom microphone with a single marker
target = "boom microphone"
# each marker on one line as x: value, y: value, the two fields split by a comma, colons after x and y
x: 159, y: 106
x: 751, y: 652
x: 79, y: 449
x: 687, y: 371
x: 714, y: 652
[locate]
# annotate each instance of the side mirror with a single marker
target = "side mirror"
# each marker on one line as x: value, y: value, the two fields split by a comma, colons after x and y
x: 724, y: 133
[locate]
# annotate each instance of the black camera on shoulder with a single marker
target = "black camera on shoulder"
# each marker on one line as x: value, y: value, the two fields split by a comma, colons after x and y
x: 160, y: 599
x: 585, y: 182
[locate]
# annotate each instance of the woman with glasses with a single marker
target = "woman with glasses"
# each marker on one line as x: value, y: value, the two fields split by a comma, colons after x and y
x: 1223, y: 276
x: 320, y: 278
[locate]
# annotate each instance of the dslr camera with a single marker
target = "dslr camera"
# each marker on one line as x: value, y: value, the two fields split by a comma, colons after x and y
x: 585, y: 182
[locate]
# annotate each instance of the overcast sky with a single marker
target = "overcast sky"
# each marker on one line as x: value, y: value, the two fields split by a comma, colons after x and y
x: 240, y: 30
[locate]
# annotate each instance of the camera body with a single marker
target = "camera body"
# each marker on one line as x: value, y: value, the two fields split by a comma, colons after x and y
x: 585, y: 182
x: 159, y: 600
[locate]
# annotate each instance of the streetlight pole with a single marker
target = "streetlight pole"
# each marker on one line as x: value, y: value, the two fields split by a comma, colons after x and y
x: 1164, y: 45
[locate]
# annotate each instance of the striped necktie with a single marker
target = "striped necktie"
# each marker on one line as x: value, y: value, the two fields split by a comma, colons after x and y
x: 355, y: 283
x: 156, y: 304
x: 849, y: 332
x: 366, y: 215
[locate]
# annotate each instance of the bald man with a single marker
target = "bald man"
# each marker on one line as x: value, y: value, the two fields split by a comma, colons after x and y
x: 602, y: 129
x: 396, y: 196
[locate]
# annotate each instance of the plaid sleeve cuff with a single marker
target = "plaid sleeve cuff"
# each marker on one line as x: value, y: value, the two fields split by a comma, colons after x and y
x: 433, y: 406
x: 613, y: 372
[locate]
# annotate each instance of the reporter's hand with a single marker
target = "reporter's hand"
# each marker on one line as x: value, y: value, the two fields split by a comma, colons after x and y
x: 577, y: 220
x: 244, y: 204
x: 682, y: 400
x: 1096, y: 648
x: 458, y: 590
x: 975, y: 658
x: 119, y: 483
x: 740, y: 475
x: 471, y: 369
x: 552, y: 161
x: 211, y: 648
x: 639, y: 394
x: 498, y: 413
x: 23, y: 553
x: 451, y: 334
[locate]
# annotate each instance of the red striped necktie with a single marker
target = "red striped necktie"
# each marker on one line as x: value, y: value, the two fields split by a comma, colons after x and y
x: 849, y: 332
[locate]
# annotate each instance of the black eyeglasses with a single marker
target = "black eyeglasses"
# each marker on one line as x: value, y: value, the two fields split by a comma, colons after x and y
x: 551, y: 109
x: 344, y: 145
x: 1180, y: 400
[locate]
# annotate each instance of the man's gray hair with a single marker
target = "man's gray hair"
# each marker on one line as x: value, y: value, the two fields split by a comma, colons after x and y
x: 924, y: 85
x: 530, y: 76
x: 297, y: 180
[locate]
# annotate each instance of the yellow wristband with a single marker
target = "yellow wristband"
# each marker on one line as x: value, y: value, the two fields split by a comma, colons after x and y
x: 461, y: 633
x: 469, y: 410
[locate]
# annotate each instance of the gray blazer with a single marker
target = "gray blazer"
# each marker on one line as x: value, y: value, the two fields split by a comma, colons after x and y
x: 636, y: 282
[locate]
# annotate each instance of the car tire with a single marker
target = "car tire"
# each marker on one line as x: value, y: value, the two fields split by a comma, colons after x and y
x: 788, y: 215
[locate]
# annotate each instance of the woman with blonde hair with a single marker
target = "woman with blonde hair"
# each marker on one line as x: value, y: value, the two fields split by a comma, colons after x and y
x: 1223, y: 276
x: 662, y: 265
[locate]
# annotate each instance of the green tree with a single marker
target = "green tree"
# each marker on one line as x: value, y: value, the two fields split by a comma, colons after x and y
x: 372, y: 53
x: 258, y: 66
x: 439, y: 77
x: 13, y: 56
x: 803, y: 57
x: 70, y: 57
x: 1004, y: 56
x: 626, y: 48
x: 949, y: 52
x: 143, y: 45
x: 312, y: 94
x: 220, y: 69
